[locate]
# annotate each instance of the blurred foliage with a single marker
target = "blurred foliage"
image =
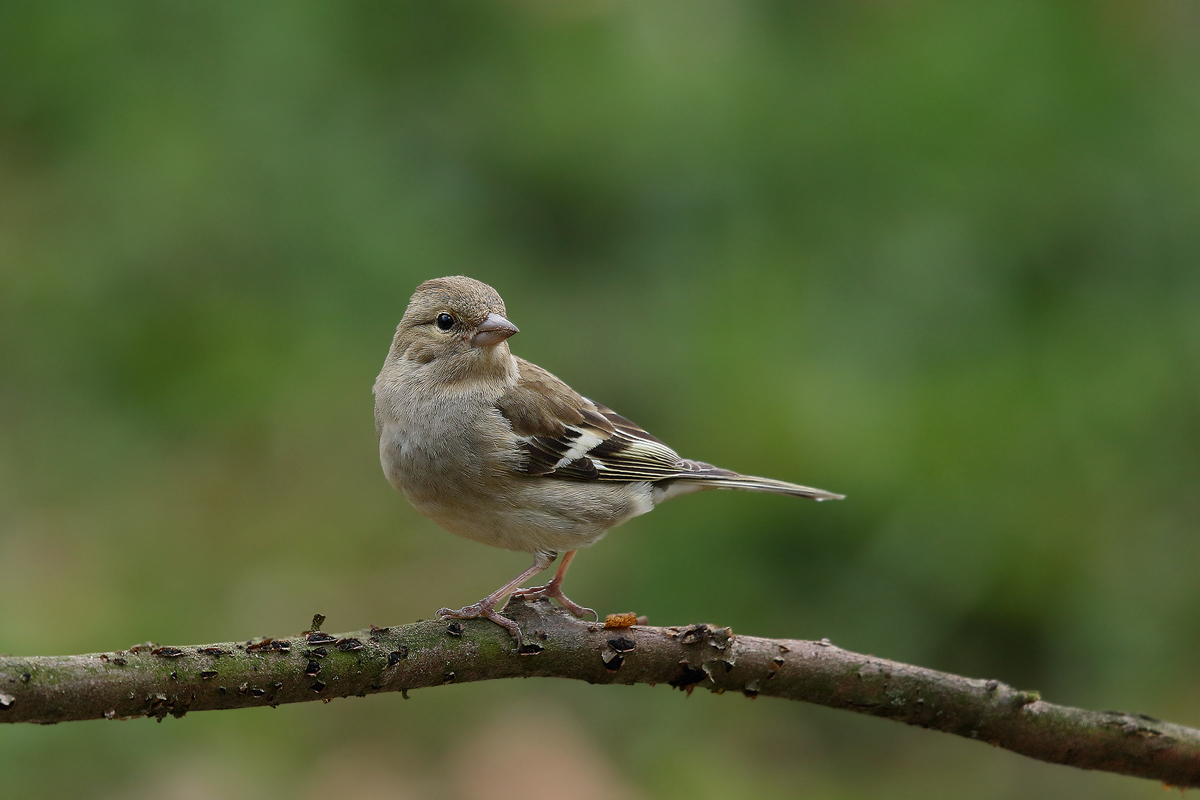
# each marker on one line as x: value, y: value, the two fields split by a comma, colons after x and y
x: 941, y: 257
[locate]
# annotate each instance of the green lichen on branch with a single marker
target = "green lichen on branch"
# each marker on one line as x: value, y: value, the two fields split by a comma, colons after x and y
x: 156, y: 681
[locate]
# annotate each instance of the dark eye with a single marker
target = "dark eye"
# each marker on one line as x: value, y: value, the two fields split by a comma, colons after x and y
x: 444, y: 321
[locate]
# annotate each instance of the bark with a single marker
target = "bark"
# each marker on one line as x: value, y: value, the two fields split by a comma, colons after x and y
x: 155, y: 681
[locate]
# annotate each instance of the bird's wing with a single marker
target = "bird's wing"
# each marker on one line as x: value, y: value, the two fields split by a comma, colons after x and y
x: 564, y: 435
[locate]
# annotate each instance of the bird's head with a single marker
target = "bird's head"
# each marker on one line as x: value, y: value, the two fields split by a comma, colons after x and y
x: 458, y: 322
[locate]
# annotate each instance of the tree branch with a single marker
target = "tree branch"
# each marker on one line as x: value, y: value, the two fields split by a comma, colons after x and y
x: 153, y: 681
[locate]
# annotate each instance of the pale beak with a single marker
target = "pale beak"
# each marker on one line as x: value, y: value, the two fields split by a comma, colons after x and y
x: 492, y: 331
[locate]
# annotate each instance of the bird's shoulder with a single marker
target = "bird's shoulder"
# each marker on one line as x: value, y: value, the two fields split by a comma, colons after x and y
x: 563, y: 434
x: 540, y: 404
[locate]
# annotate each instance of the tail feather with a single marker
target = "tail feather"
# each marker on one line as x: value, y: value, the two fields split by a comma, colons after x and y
x: 705, y: 476
x: 755, y: 484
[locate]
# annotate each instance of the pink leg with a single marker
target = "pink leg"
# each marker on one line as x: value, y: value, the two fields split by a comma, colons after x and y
x: 487, y: 606
x: 554, y: 589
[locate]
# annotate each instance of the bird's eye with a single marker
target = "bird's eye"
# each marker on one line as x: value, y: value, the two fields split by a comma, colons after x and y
x: 444, y: 321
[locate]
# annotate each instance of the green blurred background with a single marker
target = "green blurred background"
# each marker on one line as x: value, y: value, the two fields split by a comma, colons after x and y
x: 942, y: 257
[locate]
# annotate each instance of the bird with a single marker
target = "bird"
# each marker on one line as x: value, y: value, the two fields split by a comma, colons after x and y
x: 496, y: 449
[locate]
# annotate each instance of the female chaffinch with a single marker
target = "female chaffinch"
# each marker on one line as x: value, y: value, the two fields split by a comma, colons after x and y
x: 496, y: 449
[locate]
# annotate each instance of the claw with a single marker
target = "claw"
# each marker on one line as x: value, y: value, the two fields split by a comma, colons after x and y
x: 486, y: 607
x: 485, y: 610
x: 554, y: 590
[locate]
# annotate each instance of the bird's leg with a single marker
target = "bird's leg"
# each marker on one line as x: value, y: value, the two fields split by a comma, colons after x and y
x: 554, y: 589
x: 487, y: 606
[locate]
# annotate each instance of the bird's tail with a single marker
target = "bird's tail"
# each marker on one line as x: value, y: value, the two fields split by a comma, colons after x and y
x: 705, y: 476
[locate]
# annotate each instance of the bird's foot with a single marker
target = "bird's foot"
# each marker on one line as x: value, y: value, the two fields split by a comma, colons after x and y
x: 553, y: 589
x: 484, y: 609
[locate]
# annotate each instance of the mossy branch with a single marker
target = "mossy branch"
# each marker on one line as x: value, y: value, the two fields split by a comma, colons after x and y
x: 155, y: 681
